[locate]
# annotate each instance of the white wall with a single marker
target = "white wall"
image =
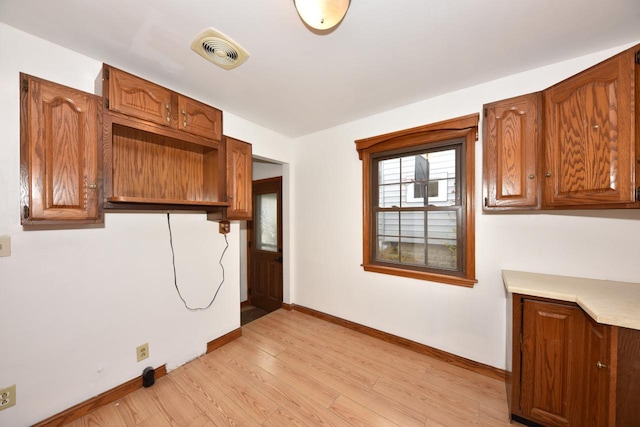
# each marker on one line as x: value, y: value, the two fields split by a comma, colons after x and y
x: 467, y: 322
x: 76, y: 303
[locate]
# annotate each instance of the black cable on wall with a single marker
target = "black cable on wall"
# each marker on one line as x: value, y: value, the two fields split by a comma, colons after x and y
x: 175, y: 276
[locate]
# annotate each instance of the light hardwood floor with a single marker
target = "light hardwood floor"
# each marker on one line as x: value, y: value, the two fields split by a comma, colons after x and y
x: 289, y: 368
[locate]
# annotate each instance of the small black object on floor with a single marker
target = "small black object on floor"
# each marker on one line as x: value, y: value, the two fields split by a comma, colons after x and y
x: 251, y: 314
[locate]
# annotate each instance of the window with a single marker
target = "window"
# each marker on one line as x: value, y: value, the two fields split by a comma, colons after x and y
x: 418, y: 218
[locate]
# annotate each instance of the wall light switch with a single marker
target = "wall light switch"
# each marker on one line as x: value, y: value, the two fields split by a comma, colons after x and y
x: 5, y: 245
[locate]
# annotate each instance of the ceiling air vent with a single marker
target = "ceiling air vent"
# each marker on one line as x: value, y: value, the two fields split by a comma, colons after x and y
x: 215, y: 47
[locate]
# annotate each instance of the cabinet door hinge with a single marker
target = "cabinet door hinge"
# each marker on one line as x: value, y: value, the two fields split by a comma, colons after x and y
x: 106, y: 103
x: 485, y: 113
x: 25, y: 212
x: 638, y: 194
x: 106, y: 74
x: 638, y: 57
x: 25, y: 85
x: 249, y: 291
x: 485, y: 202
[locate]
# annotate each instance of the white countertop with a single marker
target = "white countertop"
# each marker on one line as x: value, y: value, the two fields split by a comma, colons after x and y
x: 606, y: 301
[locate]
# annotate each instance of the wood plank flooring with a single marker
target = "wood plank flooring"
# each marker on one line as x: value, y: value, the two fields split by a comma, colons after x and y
x: 291, y: 369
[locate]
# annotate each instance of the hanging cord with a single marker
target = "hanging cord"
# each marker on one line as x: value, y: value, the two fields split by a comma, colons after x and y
x: 175, y: 277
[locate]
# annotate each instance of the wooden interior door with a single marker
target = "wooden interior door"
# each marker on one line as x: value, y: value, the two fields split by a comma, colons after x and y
x: 265, y: 245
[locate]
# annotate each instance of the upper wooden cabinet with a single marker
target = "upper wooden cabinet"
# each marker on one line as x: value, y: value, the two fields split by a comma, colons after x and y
x: 135, y: 97
x: 60, y: 162
x: 584, y: 132
x: 161, y: 149
x: 511, y: 146
x: 590, y: 136
x: 239, y: 179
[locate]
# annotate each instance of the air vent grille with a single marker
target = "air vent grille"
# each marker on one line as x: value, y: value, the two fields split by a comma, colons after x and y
x: 215, y: 47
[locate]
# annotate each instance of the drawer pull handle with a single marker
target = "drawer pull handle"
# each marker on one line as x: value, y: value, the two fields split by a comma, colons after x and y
x: 601, y: 365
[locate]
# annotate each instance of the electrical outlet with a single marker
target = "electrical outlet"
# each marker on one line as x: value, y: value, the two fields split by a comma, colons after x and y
x: 225, y: 227
x: 7, y: 397
x: 142, y: 351
x: 5, y: 245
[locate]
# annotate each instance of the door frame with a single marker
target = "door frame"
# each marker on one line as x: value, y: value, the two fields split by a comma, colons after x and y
x: 281, y: 237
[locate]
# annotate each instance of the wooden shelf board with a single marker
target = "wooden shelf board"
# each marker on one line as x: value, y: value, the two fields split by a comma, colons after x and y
x: 125, y: 199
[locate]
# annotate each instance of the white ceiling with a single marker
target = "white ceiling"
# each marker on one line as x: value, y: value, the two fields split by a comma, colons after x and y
x: 385, y: 54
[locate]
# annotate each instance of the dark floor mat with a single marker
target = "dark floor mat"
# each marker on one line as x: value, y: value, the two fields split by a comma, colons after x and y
x: 247, y: 316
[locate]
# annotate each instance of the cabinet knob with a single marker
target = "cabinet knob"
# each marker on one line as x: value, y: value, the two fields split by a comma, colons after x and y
x: 531, y: 176
x: 92, y: 186
x: 548, y: 174
x: 166, y: 106
x: 601, y: 365
x: 184, y: 113
x: 184, y: 124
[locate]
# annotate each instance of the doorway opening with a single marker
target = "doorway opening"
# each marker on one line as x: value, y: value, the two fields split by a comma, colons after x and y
x: 264, y: 251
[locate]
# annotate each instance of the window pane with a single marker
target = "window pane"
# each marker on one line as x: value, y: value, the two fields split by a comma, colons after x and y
x: 267, y: 222
x: 389, y: 196
x: 442, y: 238
x: 388, y: 224
x: 412, y: 224
x: 412, y: 251
x: 440, y: 186
x: 389, y: 171
x: 387, y: 249
x: 412, y: 242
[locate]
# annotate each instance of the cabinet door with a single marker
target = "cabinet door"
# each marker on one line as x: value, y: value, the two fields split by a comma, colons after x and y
x: 137, y: 97
x: 552, y: 391
x: 60, y: 136
x: 511, y: 148
x: 239, y: 179
x: 199, y: 119
x: 598, y: 369
x: 590, y: 136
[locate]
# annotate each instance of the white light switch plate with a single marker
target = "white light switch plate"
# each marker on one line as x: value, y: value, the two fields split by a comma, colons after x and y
x: 5, y: 245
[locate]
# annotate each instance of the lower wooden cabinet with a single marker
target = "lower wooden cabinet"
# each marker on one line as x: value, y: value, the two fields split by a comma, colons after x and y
x: 569, y: 370
x: 552, y: 381
x: 60, y: 163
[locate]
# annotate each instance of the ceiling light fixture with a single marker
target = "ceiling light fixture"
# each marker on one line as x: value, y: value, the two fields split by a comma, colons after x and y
x: 322, y: 15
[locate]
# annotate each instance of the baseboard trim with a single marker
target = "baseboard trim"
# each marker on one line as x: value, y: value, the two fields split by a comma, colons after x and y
x: 122, y: 390
x: 287, y: 307
x: 227, y: 338
x: 107, y: 397
x: 453, y: 359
